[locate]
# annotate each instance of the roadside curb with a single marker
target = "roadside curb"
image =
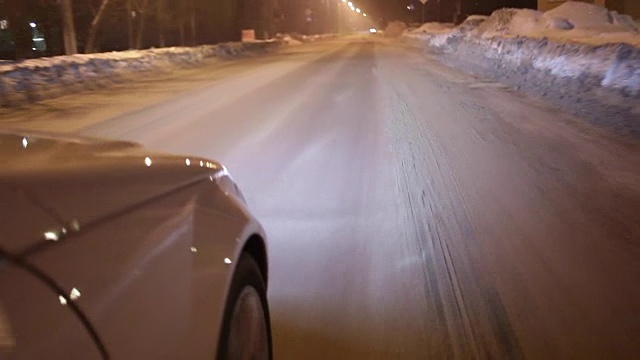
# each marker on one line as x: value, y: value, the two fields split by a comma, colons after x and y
x: 35, y: 80
x: 599, y: 83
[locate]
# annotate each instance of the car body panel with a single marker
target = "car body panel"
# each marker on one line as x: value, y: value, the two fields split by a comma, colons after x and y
x: 34, y: 324
x: 113, y: 176
x: 18, y: 208
x: 158, y: 289
x: 149, y: 246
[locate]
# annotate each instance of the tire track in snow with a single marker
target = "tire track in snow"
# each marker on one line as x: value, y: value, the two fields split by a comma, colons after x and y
x: 468, y: 309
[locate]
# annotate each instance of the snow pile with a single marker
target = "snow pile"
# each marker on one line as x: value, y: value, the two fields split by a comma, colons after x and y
x: 471, y: 23
x: 112, y: 60
x: 432, y: 28
x: 395, y: 29
x: 38, y: 79
x: 287, y: 39
x: 510, y: 22
x: 572, y: 40
x: 581, y: 15
x: 311, y: 38
x: 578, y: 53
x: 589, y: 16
x: 234, y: 50
x: 569, y: 22
x: 575, y: 22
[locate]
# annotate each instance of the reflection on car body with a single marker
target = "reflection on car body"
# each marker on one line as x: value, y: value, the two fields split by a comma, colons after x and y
x: 109, y: 250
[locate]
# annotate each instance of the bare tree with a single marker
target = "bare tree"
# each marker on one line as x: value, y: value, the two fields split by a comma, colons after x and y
x: 130, y: 29
x: 161, y: 17
x: 192, y: 20
x: 19, y: 24
x: 187, y: 16
x: 90, y: 45
x: 68, y: 28
x: 457, y: 14
x: 182, y: 41
x: 142, y: 10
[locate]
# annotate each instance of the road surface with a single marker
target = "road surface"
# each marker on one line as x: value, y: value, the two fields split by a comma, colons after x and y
x: 413, y: 211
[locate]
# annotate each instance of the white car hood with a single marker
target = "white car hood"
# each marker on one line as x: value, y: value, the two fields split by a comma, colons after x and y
x: 52, y: 184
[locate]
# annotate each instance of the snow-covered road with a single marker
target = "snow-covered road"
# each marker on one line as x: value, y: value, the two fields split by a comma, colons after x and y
x: 412, y: 211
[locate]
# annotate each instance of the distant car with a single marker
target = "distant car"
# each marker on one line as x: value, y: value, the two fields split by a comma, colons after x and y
x: 109, y: 250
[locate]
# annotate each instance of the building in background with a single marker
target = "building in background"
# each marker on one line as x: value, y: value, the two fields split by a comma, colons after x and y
x: 7, y: 43
x: 18, y: 26
x: 629, y: 7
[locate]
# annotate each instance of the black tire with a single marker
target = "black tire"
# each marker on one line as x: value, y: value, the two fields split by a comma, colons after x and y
x: 247, y: 275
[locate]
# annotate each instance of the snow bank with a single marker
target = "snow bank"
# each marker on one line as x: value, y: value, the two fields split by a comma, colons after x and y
x: 288, y: 40
x: 43, y: 78
x: 573, y: 40
x: 589, y: 16
x: 570, y: 22
x: 311, y: 38
x: 510, y: 22
x: 577, y: 51
x: 599, y: 84
x: 433, y: 27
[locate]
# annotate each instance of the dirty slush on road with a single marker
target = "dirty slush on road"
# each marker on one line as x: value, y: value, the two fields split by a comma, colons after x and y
x: 467, y: 317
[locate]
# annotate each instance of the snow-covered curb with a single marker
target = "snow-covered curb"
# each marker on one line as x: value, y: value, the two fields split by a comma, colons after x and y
x: 45, y: 78
x: 600, y: 84
x: 580, y: 57
x: 610, y: 65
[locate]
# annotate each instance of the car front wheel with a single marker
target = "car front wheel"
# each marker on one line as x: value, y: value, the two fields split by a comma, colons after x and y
x: 246, y: 333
